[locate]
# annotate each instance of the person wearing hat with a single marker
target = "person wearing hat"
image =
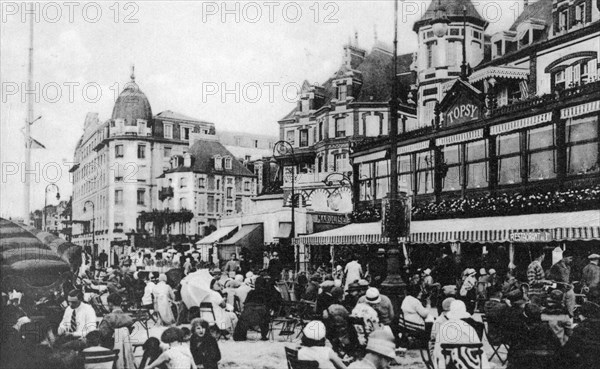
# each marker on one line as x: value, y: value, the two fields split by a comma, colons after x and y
x: 468, y: 291
x: 325, y: 298
x: 441, y: 319
x: 232, y: 265
x: 312, y: 289
x: 456, y: 330
x: 242, y: 291
x: 275, y: 267
x: 561, y: 273
x: 382, y: 304
x: 380, y: 351
x: 590, y: 276
x: 163, y: 297
x: 313, y: 347
x: 535, y: 273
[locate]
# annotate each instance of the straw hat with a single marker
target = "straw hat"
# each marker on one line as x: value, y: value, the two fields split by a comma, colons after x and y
x: 373, y: 296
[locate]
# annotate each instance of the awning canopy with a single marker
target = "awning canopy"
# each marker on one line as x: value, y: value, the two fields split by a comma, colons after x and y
x: 582, y: 225
x: 499, y: 72
x: 245, y: 236
x: 285, y: 230
x: 217, y: 235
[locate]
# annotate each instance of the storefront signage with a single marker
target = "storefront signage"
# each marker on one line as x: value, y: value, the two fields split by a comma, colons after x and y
x: 330, y: 218
x: 530, y: 237
x: 462, y: 113
x: 464, y: 109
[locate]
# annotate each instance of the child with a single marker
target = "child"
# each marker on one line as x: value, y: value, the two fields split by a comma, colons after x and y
x: 203, y: 345
x: 178, y: 355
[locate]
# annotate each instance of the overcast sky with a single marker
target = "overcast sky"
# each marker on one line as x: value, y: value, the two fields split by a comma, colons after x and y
x: 185, y: 54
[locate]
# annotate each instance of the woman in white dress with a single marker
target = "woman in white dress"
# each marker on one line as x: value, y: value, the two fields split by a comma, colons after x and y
x: 163, y: 297
x: 225, y: 318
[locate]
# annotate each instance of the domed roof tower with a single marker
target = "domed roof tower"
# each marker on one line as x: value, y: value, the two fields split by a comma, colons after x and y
x: 132, y: 104
x: 454, y: 12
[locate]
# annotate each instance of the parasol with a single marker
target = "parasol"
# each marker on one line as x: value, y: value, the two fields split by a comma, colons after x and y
x: 195, y: 288
x: 30, y: 258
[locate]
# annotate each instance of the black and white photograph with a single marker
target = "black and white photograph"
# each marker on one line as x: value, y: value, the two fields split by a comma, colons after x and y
x: 309, y: 184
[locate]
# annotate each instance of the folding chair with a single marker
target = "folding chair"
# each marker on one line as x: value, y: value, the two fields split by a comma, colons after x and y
x: 288, y: 328
x: 104, y: 359
x: 495, y: 344
x: 359, y: 326
x: 290, y: 354
x: 462, y: 355
x: 303, y: 364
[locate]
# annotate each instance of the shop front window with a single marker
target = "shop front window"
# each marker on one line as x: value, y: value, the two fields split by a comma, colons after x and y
x: 508, y: 150
x: 452, y: 157
x: 541, y: 153
x: 424, y: 166
x: 476, y: 162
x: 405, y: 174
x: 582, y: 146
x: 382, y: 179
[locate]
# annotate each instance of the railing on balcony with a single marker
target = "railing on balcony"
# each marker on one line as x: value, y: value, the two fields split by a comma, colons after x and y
x: 165, y: 193
x: 540, y: 101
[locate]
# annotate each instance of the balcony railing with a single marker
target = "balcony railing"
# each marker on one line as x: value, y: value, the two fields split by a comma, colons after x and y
x: 165, y: 193
x: 542, y: 101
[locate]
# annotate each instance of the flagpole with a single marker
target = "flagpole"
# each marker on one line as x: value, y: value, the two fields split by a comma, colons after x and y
x: 28, y: 123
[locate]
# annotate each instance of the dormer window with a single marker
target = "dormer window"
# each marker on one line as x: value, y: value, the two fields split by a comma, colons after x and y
x: 304, y: 105
x: 289, y: 137
x: 185, y: 133
x: 218, y: 163
x: 580, y: 13
x: 303, y: 137
x: 168, y: 130
x: 563, y: 19
x: 342, y: 92
x: 228, y: 163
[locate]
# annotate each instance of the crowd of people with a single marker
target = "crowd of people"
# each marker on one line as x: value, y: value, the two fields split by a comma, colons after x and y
x: 540, y: 319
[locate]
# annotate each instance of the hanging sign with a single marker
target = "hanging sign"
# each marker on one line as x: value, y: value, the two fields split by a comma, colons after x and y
x: 530, y: 237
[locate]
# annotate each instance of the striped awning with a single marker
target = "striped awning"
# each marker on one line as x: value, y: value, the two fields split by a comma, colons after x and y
x: 499, y: 72
x: 217, y: 236
x: 461, y: 137
x: 521, y: 123
x: 413, y: 147
x: 574, y: 226
x: 578, y: 110
x: 32, y: 253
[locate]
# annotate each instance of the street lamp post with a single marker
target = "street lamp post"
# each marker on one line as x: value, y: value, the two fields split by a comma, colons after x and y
x: 94, y: 250
x: 281, y: 150
x: 393, y: 286
x: 48, y: 189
